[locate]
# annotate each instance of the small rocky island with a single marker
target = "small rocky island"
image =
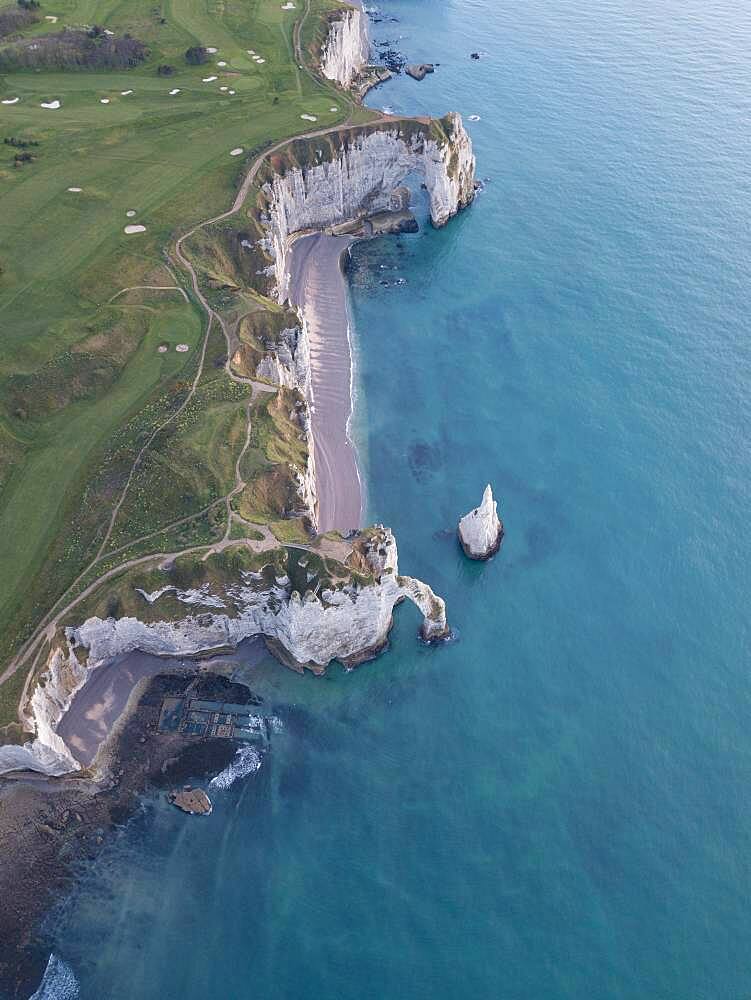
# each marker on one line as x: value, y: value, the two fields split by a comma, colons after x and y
x: 481, y: 530
x: 191, y: 800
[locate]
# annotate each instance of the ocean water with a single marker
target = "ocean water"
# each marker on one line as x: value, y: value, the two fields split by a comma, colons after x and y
x: 558, y: 803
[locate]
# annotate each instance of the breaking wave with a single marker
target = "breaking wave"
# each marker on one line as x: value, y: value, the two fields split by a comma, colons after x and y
x: 247, y: 761
x: 58, y: 982
x: 275, y: 723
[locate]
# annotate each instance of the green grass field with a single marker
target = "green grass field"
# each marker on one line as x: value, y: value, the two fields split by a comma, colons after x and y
x: 83, y: 381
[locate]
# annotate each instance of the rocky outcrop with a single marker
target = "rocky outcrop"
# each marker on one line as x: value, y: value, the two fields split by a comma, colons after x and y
x: 481, y: 531
x: 347, y: 48
x: 347, y: 618
x: 323, y: 182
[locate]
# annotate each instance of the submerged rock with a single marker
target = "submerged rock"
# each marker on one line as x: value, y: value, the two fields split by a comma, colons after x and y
x: 481, y: 531
x: 191, y: 800
x: 420, y: 71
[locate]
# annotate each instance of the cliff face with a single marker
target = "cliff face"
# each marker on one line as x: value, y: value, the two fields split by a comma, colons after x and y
x: 346, y: 49
x: 347, y: 617
x: 287, y: 360
x: 48, y: 753
x: 324, y: 182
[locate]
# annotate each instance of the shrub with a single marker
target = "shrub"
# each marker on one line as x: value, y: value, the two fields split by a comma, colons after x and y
x: 196, y: 55
x: 165, y: 70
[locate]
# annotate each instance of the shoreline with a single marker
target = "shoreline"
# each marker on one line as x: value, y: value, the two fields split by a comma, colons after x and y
x: 318, y: 290
x: 50, y: 826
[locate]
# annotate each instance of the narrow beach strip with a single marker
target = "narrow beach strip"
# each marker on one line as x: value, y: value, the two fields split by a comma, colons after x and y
x: 318, y: 288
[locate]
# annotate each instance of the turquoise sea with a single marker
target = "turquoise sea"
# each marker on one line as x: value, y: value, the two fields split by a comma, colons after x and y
x: 557, y: 805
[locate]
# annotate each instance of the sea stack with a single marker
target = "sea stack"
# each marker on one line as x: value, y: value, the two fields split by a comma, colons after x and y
x: 481, y: 531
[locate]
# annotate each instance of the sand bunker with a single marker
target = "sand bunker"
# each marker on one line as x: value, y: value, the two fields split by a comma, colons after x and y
x: 104, y: 100
x: 134, y: 229
x: 52, y: 105
x: 309, y: 118
x: 130, y: 213
x: 51, y: 17
x: 251, y: 52
x: 108, y: 32
x: 259, y: 61
x: 175, y: 91
x: 288, y: 6
x: 221, y: 64
x: 182, y: 348
x: 211, y: 49
x: 124, y: 93
x: 232, y: 92
x: 11, y: 100
x: 209, y: 79
x: 75, y: 190
x: 223, y: 88
x: 236, y: 152
x: 333, y: 109
x: 162, y: 349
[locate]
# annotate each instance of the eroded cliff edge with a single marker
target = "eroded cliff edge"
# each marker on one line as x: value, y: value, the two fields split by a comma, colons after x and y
x: 330, y: 601
x: 319, y: 183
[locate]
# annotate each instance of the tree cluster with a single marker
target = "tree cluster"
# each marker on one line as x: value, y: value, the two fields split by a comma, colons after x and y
x: 11, y: 140
x: 14, y: 19
x: 73, y: 50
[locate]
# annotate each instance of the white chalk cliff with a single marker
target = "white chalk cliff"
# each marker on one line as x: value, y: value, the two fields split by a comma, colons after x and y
x: 347, y: 48
x: 287, y: 360
x: 350, y: 623
x: 481, y: 531
x: 357, y: 177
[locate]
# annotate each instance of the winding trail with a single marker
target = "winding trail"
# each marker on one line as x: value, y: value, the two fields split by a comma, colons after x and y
x: 155, y: 288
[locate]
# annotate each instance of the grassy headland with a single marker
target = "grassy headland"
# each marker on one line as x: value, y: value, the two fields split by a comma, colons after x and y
x: 90, y: 377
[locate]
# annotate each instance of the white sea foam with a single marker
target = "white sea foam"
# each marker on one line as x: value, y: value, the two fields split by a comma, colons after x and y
x: 247, y: 761
x: 58, y: 982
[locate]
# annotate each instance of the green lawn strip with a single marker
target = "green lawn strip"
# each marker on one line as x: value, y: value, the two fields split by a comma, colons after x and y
x: 30, y: 517
x: 190, y: 464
